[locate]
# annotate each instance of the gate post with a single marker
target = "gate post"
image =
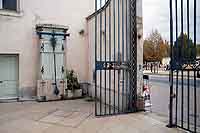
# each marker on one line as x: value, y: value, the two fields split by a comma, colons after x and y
x: 133, y: 56
x: 170, y: 125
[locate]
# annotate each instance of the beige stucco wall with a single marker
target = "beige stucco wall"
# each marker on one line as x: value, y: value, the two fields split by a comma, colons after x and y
x: 17, y: 33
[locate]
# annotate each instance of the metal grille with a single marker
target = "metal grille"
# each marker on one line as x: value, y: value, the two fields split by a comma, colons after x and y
x: 115, y: 57
x: 133, y: 53
x: 185, y: 66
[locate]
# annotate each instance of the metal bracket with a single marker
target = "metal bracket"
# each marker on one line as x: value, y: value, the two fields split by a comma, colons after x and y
x: 42, y: 69
x: 42, y: 46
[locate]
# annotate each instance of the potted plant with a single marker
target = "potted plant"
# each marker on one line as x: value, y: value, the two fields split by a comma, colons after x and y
x: 73, y: 87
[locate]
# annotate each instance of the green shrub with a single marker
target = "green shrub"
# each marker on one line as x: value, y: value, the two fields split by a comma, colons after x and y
x: 72, y: 80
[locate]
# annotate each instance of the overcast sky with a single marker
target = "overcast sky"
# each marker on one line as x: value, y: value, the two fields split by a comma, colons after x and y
x: 156, y: 16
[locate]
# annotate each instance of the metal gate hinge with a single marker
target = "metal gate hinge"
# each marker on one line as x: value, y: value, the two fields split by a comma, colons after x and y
x: 42, y: 70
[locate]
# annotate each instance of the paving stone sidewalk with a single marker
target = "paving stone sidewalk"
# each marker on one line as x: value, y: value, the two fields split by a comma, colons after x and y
x: 73, y: 116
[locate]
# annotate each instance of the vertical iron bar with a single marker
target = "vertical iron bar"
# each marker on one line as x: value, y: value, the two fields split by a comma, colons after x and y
x: 95, y: 58
x: 176, y: 6
x: 188, y: 47
x: 105, y: 79
x: 188, y: 100
x: 188, y: 24
x: 171, y: 72
x: 123, y: 54
x: 195, y: 24
x: 130, y: 43
x: 177, y: 82
x: 126, y: 53
x: 182, y: 43
x: 195, y: 103
x: 119, y: 71
x: 114, y: 49
x: 135, y: 55
x: 101, y: 57
x: 195, y: 89
x: 129, y: 71
x: 182, y: 99
x: 110, y: 58
x: 182, y: 87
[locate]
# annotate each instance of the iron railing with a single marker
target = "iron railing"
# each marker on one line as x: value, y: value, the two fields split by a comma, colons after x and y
x: 114, y: 30
x: 184, y: 85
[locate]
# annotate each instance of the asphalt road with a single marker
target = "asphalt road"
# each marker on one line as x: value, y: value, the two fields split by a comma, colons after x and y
x: 160, y: 98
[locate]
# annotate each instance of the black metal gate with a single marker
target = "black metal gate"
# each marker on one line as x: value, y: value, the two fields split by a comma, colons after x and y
x: 185, y: 66
x: 115, y: 57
